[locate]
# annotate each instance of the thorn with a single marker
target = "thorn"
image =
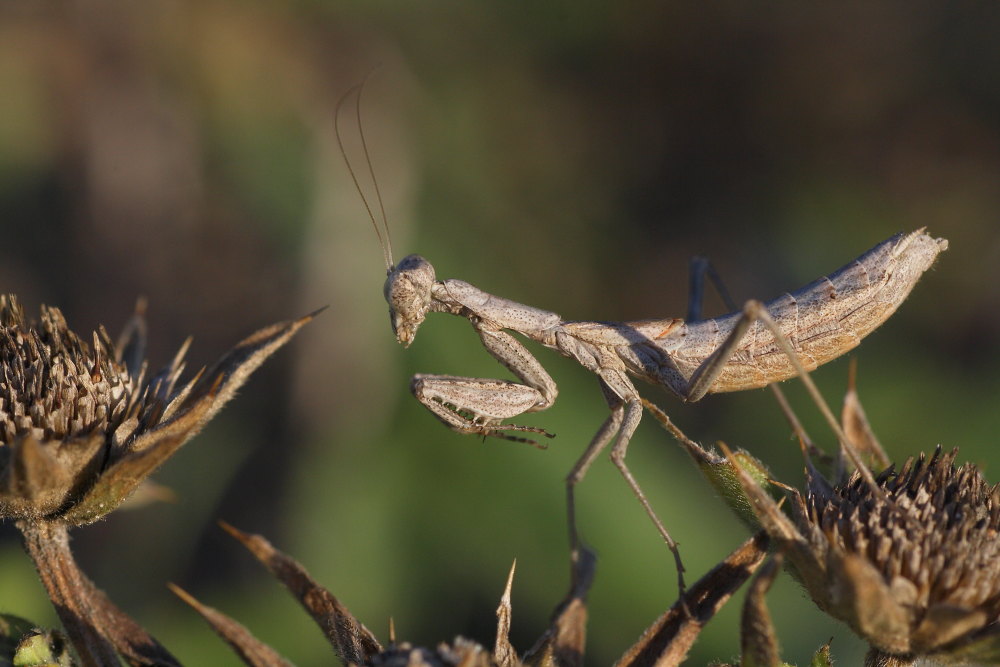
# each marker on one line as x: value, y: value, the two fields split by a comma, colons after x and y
x: 510, y: 583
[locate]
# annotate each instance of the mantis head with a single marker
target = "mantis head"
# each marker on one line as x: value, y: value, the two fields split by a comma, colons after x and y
x: 408, y: 293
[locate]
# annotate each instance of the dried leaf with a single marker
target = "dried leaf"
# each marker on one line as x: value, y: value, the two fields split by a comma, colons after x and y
x: 131, y: 640
x: 353, y: 642
x: 785, y: 534
x: 149, y: 492
x: 667, y: 641
x: 504, y: 654
x: 235, y: 367
x: 118, y: 482
x: 855, y: 424
x: 944, y: 623
x: 249, y: 648
x: 130, y: 349
x: 982, y: 650
x: 33, y: 482
x: 564, y: 642
x: 758, y: 641
x: 867, y: 603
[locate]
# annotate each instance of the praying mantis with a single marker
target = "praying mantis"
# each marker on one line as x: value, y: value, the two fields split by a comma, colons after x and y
x: 760, y: 344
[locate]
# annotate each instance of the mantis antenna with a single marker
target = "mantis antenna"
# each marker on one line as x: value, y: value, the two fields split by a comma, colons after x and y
x: 383, y: 234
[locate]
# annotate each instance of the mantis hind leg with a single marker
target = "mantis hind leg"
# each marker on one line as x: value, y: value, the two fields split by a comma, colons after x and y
x: 711, y: 368
x: 701, y: 268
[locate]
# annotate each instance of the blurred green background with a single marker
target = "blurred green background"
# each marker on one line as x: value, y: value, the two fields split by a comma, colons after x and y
x: 572, y: 156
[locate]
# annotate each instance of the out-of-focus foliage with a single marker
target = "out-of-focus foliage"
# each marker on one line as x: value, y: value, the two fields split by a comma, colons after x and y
x: 572, y: 156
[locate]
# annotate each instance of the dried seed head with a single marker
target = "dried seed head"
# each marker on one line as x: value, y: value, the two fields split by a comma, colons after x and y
x: 80, y: 427
x: 461, y: 653
x: 55, y: 386
x: 916, y: 573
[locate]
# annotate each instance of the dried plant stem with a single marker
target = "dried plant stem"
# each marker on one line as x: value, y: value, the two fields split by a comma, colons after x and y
x: 47, y: 544
x: 666, y: 642
x: 98, y: 629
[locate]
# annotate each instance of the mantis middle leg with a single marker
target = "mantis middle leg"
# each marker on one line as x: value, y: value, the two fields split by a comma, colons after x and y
x: 702, y: 268
x: 626, y: 411
x: 626, y: 408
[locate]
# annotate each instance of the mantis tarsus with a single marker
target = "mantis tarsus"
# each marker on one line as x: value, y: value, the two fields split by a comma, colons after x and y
x: 746, y: 349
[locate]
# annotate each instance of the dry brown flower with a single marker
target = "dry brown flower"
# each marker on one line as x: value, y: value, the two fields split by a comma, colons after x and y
x: 914, y: 570
x: 911, y: 563
x: 81, y: 426
x: 916, y: 573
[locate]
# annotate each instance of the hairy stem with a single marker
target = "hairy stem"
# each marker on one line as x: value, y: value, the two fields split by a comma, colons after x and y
x: 47, y: 544
x: 99, y: 630
x: 876, y: 658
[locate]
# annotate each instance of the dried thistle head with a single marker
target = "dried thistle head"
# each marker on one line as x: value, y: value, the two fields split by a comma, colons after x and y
x: 910, y: 562
x: 914, y: 570
x: 81, y: 424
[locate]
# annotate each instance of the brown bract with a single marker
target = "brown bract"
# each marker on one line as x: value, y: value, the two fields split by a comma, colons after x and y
x: 82, y: 424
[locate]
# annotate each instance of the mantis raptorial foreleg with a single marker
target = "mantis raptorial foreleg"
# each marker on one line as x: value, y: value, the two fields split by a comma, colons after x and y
x: 486, y: 402
x: 476, y: 405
